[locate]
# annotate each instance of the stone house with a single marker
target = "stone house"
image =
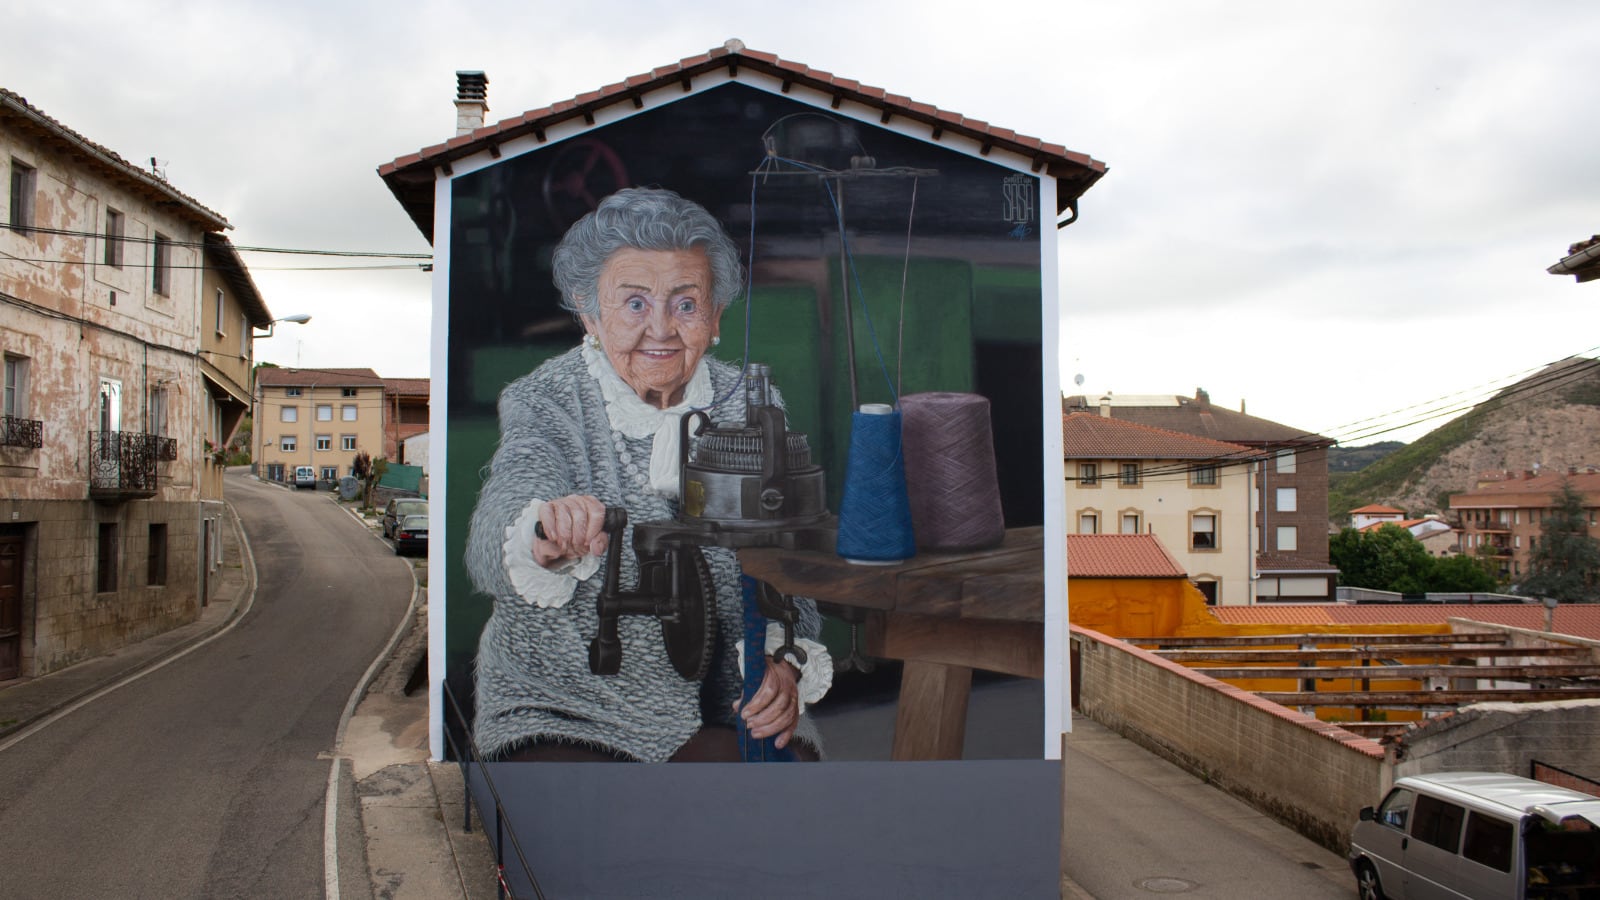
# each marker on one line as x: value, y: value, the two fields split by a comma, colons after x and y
x: 108, y: 395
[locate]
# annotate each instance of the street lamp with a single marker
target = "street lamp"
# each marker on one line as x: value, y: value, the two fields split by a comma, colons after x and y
x: 297, y: 318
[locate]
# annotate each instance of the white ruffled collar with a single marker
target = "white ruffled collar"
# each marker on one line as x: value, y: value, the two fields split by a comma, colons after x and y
x: 632, y: 416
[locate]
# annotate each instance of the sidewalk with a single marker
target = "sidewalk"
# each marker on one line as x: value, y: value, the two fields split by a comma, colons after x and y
x: 400, y: 814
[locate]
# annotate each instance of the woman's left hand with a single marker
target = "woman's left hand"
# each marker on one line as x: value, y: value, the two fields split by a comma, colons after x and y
x: 775, y: 708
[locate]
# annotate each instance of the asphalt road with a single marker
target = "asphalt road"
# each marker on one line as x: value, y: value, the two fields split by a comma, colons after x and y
x: 206, y: 778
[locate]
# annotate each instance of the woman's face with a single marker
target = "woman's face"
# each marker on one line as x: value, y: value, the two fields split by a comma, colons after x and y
x: 656, y: 319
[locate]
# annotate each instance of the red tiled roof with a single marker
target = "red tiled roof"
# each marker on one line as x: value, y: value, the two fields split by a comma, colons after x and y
x: 1576, y: 619
x: 32, y: 119
x: 1536, y: 491
x: 1403, y: 523
x: 274, y: 376
x: 224, y: 258
x: 1374, y: 508
x: 406, y: 386
x: 1119, y: 556
x: 1278, y: 562
x: 411, y: 177
x: 1093, y: 436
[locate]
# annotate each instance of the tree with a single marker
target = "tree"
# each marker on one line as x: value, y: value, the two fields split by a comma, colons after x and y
x: 1463, y: 574
x: 1565, y: 564
x: 1386, y: 558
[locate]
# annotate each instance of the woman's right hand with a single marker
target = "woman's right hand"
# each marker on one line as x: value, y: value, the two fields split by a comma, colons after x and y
x: 574, y: 526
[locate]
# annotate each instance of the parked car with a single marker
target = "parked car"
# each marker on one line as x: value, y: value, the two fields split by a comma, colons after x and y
x: 305, y: 477
x: 411, y: 535
x: 399, y: 508
x: 1477, y: 835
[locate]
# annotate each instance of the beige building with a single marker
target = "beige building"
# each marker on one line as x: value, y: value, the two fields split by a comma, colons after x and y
x: 1195, y: 494
x: 1504, y: 518
x: 316, y: 417
x: 107, y: 398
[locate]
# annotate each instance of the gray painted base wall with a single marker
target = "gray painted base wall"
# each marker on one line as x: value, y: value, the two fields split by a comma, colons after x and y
x: 968, y: 829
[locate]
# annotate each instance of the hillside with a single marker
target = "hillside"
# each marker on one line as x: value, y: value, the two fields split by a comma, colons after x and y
x: 1549, y: 420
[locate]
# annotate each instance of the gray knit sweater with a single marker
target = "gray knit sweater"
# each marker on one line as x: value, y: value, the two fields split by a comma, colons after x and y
x: 533, y: 678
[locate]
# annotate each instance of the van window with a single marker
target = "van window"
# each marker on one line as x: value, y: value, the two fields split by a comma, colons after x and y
x: 1396, y: 808
x: 1438, y: 823
x: 1488, y: 841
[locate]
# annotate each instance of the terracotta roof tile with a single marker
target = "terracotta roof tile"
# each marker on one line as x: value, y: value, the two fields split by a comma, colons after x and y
x: 1199, y: 416
x: 1576, y: 619
x: 407, y: 386
x: 1279, y: 562
x: 1119, y: 556
x: 275, y: 376
x: 1378, y: 508
x: 1093, y: 436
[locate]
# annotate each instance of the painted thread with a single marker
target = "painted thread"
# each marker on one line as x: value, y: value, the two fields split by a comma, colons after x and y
x: 950, y: 471
x: 874, y: 511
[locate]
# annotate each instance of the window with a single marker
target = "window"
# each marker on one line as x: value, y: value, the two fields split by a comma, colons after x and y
x: 217, y: 304
x: 1208, y: 589
x: 347, y: 392
x: 24, y: 183
x: 106, y: 558
x: 110, y: 404
x: 157, y: 423
x: 1288, y: 538
x: 288, y: 444
x: 289, y: 414
x: 1130, y: 523
x: 1088, y: 523
x: 1396, y: 808
x: 1286, y: 461
x: 347, y: 442
x: 324, y: 442
x: 116, y: 225
x: 1288, y: 499
x: 156, y: 567
x: 1205, y: 474
x: 1203, y: 531
x: 347, y: 412
x: 1488, y: 841
x: 1089, y: 474
x: 324, y: 412
x: 1129, y: 474
x: 330, y: 473
x: 1437, y: 822
x: 291, y: 392
x: 16, y: 387
x: 161, y: 265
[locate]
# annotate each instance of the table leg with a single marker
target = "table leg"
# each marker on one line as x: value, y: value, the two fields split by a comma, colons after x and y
x: 931, y: 720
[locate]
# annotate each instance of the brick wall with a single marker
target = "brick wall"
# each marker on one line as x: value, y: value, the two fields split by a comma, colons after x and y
x: 1311, y: 775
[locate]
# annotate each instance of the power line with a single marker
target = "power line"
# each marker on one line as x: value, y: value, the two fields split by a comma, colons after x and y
x: 200, y: 245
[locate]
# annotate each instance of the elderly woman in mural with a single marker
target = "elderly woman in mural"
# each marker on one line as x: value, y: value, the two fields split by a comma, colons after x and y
x: 649, y: 275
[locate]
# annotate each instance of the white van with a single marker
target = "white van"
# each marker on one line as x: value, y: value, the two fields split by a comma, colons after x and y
x: 305, y: 477
x: 1478, y: 835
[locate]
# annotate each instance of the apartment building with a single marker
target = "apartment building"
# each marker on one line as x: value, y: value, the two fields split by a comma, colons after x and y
x: 316, y: 417
x: 108, y: 397
x: 1506, y: 514
x: 1197, y: 495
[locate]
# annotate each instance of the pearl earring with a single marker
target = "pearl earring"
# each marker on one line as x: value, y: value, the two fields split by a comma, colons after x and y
x: 715, y: 340
x: 592, y: 341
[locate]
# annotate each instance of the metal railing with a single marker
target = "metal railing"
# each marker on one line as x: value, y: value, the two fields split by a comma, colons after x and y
x: 19, y: 432
x: 468, y: 756
x: 123, y: 463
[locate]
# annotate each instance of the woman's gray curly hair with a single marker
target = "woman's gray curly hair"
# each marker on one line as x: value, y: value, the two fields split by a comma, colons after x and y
x: 644, y: 219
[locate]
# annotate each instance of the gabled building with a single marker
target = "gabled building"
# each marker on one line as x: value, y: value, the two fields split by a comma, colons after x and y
x: 1507, y: 517
x: 108, y: 397
x: 315, y: 417
x: 1126, y: 585
x: 1374, y: 514
x: 1195, y: 494
x: 1292, y: 478
x: 405, y: 415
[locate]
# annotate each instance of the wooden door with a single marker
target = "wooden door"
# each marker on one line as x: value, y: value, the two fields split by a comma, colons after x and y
x: 10, y: 606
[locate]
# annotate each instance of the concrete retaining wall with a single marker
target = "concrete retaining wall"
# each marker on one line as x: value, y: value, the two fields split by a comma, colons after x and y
x: 1311, y: 775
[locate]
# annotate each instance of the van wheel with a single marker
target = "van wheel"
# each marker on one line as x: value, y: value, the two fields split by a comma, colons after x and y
x: 1367, y: 884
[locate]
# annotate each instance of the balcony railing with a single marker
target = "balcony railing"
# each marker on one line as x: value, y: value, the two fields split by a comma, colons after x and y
x: 122, y: 464
x: 15, y: 432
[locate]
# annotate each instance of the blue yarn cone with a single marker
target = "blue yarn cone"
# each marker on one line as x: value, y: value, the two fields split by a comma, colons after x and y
x: 874, y: 512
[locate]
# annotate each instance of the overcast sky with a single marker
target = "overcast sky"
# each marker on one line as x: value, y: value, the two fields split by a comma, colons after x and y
x: 1332, y: 212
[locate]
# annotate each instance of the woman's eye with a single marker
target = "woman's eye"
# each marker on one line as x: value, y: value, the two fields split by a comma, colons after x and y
x: 635, y: 304
x: 686, y: 305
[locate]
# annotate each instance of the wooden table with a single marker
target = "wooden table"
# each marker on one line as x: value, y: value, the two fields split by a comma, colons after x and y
x: 941, y: 614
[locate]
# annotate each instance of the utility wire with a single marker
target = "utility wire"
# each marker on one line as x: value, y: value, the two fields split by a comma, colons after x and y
x: 96, y: 235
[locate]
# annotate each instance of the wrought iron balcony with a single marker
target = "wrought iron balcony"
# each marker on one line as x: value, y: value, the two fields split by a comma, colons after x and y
x: 122, y: 464
x: 15, y: 432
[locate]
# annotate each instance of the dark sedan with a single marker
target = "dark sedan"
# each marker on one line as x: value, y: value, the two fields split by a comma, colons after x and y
x: 411, y: 535
x: 399, y: 508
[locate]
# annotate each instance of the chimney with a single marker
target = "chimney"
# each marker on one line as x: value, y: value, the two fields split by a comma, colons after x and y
x: 472, y: 101
x: 1105, y: 407
x: 1241, y: 405
x: 1201, y: 397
